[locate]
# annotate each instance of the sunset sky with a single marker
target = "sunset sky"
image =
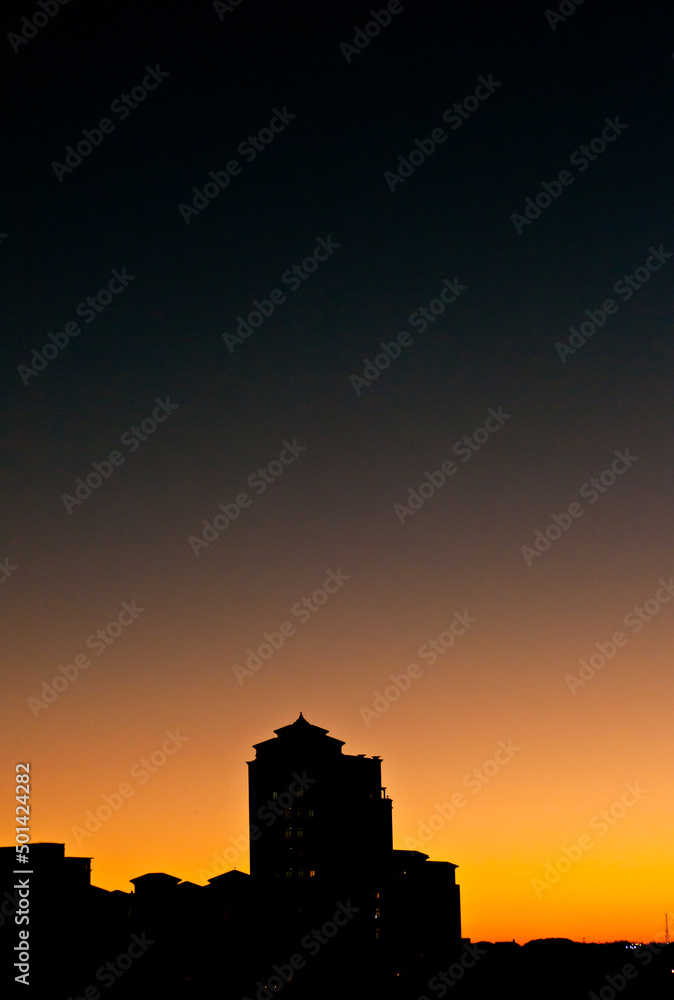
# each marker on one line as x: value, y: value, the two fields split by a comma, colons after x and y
x: 352, y: 487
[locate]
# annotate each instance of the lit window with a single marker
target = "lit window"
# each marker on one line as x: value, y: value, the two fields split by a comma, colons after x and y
x: 300, y: 872
x: 289, y: 873
x: 377, y: 914
x: 300, y: 832
x: 311, y: 814
x: 299, y: 793
x: 312, y: 873
x: 289, y: 813
x: 289, y: 832
x: 274, y: 795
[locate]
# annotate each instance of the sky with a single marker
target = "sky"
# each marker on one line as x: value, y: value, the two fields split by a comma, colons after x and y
x: 376, y: 301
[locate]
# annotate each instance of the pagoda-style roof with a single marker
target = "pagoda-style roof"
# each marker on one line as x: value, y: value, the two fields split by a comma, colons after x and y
x: 300, y: 725
x: 300, y: 732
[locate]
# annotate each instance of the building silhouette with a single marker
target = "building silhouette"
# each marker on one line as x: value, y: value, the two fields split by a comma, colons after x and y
x: 320, y: 814
x: 326, y: 893
x: 321, y: 835
x: 330, y: 909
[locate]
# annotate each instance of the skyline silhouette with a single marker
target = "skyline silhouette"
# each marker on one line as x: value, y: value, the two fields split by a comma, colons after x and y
x: 336, y: 378
x: 324, y: 872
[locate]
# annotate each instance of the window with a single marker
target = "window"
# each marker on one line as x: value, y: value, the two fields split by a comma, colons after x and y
x: 312, y: 873
x: 311, y: 814
x: 274, y: 795
x: 289, y: 813
x: 288, y: 832
x: 300, y: 832
x: 289, y: 873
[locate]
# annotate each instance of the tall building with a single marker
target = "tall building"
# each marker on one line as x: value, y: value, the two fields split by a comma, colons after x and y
x: 321, y: 831
x: 330, y: 906
x: 315, y: 812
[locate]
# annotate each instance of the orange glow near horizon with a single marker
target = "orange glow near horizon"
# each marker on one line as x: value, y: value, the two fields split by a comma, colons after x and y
x: 501, y: 799
x: 380, y: 433
x: 501, y: 682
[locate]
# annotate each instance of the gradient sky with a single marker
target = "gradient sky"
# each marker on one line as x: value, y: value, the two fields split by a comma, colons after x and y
x: 69, y: 568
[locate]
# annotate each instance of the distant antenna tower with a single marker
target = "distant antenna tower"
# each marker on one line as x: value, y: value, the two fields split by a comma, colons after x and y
x: 666, y: 929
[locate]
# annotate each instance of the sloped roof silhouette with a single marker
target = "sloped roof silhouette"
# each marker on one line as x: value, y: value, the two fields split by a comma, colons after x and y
x: 231, y: 877
x: 155, y: 879
x: 300, y: 733
x: 300, y: 725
